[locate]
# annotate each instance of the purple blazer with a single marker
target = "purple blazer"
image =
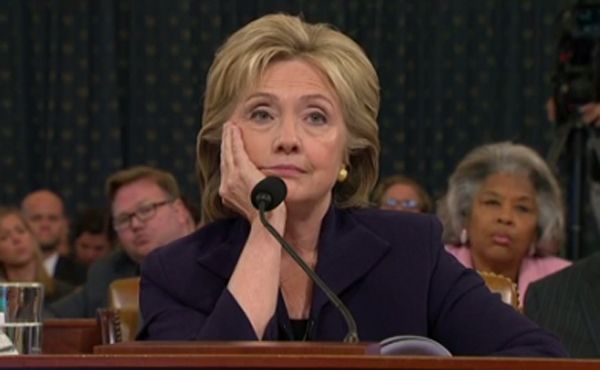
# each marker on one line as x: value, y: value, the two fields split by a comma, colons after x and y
x: 390, y: 268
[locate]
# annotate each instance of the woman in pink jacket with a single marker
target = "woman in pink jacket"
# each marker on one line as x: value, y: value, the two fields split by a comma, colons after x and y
x: 503, y: 213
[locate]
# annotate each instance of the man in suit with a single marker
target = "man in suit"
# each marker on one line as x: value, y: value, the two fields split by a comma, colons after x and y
x: 147, y: 212
x: 45, y: 213
x: 568, y: 303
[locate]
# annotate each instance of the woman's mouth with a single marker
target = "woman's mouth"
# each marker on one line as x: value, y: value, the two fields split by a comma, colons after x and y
x: 502, y: 239
x: 284, y: 170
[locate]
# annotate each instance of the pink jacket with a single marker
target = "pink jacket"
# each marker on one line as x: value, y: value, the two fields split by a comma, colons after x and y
x: 532, y: 268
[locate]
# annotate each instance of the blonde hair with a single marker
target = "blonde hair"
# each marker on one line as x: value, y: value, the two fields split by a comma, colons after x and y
x: 240, y: 63
x: 455, y: 207
x: 41, y: 275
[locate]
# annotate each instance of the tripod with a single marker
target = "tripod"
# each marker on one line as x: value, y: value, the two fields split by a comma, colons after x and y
x: 573, y: 136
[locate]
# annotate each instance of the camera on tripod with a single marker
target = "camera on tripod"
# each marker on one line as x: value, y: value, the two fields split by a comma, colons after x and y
x: 577, y: 76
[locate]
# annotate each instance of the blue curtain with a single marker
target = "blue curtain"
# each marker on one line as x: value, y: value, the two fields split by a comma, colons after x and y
x: 88, y: 87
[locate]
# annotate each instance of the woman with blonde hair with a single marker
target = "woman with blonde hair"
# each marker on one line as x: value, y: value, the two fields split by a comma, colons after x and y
x: 20, y: 256
x: 299, y: 101
x: 503, y: 213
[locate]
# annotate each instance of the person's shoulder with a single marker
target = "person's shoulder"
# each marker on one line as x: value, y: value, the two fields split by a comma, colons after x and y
x: 66, y: 260
x: 109, y: 265
x: 566, y: 276
x: 61, y: 289
x: 391, y: 220
x: 204, y: 237
x: 395, y: 225
x: 549, y: 263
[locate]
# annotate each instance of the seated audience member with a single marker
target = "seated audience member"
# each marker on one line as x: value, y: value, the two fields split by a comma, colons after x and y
x: 567, y: 303
x: 20, y: 256
x: 45, y: 213
x: 503, y: 213
x: 299, y: 101
x: 147, y: 213
x: 401, y: 193
x: 91, y: 236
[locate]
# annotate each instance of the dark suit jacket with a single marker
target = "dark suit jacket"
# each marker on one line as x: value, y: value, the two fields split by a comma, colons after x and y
x: 389, y: 268
x: 85, y: 300
x: 568, y: 303
x: 69, y: 271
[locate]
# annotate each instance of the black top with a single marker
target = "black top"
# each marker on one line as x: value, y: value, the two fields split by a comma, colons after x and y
x: 299, y: 328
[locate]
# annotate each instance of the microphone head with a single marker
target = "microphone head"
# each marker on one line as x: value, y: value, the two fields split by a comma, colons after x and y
x: 271, y: 191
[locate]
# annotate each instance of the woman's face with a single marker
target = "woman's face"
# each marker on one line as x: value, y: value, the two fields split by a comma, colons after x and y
x: 17, y: 244
x: 503, y: 222
x: 292, y: 127
x: 401, y: 197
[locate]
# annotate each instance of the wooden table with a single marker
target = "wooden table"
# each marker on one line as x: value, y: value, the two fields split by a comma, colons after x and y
x: 70, y: 336
x: 75, y: 344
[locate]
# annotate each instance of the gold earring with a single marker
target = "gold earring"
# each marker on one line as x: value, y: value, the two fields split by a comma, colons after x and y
x: 342, y: 175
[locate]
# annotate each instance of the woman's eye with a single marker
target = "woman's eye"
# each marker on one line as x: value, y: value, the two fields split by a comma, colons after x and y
x: 491, y: 202
x: 260, y: 115
x: 317, y: 118
x: 524, y: 209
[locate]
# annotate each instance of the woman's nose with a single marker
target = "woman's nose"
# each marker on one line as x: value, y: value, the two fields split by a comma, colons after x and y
x: 287, y: 140
x: 505, y: 215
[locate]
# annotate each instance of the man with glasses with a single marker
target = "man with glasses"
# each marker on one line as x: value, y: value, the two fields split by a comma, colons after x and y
x: 147, y: 212
x: 401, y: 193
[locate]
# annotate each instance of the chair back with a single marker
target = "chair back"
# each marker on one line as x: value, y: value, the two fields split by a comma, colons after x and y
x: 503, y: 286
x: 120, y: 320
x: 109, y: 321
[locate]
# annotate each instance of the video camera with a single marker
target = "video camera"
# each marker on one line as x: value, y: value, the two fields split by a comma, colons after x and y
x: 577, y: 76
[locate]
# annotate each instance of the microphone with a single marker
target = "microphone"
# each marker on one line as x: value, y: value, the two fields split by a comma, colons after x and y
x: 270, y: 192
x: 267, y: 195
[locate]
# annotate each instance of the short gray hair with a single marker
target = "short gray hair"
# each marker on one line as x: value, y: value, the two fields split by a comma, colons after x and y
x: 486, y: 160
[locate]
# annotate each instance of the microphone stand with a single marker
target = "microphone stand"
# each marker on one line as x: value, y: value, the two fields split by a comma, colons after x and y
x: 352, y: 335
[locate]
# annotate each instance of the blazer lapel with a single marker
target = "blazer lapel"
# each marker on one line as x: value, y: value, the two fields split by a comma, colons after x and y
x: 221, y: 257
x: 344, y: 243
x: 590, y: 297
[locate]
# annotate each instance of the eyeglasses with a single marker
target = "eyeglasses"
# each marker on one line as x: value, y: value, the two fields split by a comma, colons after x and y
x: 407, y: 204
x: 143, y: 213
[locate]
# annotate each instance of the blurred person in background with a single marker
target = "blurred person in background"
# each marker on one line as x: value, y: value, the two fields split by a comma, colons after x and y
x: 503, y: 213
x: 45, y: 214
x: 20, y: 256
x: 91, y: 236
x: 146, y: 213
x: 402, y: 193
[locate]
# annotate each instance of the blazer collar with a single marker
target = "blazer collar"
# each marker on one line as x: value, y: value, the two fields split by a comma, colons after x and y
x: 590, y: 296
x: 347, y: 251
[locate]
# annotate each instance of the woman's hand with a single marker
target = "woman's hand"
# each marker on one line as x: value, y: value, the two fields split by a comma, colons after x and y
x: 239, y: 176
x: 254, y: 282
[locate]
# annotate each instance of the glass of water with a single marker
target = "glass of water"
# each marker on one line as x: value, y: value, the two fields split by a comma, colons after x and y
x: 22, y: 305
